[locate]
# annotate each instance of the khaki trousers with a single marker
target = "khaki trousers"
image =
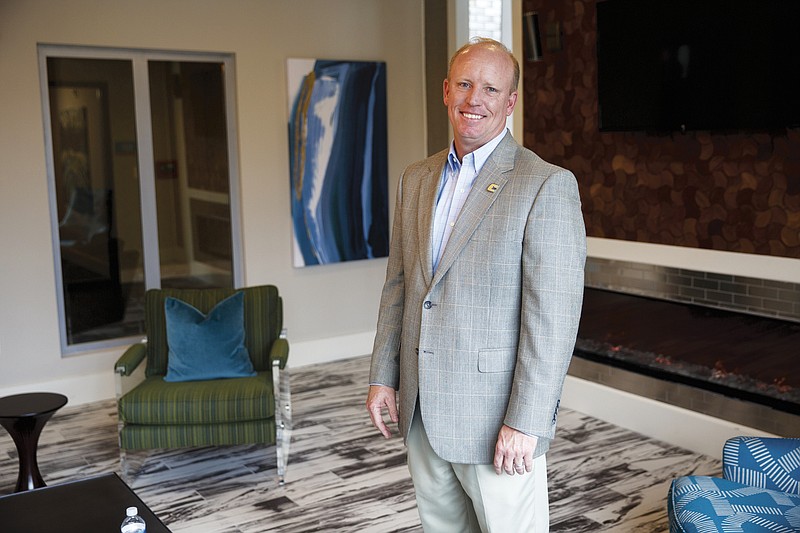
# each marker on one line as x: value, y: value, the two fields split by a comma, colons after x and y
x: 462, y: 498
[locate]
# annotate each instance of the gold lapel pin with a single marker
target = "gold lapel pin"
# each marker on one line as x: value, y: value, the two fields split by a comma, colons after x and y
x: 492, y: 187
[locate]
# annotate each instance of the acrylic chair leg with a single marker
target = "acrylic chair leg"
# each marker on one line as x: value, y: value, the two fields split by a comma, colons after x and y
x: 283, y: 419
x: 124, y: 465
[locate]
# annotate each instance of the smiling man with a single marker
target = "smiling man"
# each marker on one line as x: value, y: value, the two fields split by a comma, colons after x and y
x: 479, y: 92
x: 479, y: 311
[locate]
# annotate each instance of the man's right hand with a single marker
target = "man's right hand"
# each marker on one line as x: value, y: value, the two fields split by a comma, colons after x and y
x: 378, y: 399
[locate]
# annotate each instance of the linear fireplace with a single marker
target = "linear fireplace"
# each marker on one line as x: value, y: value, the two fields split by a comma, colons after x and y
x: 724, y: 346
x: 748, y: 357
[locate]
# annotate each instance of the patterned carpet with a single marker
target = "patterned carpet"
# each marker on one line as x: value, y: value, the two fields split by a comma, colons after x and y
x: 344, y: 477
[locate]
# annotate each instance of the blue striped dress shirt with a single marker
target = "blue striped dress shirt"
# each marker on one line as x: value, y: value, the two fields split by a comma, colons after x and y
x: 455, y: 185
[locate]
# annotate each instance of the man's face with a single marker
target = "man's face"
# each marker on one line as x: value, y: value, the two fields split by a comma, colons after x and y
x: 478, y: 97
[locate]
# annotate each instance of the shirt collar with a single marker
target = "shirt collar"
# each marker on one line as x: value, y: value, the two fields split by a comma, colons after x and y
x: 476, y: 158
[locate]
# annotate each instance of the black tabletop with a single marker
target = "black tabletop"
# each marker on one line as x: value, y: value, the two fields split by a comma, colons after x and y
x: 31, y: 404
x: 92, y: 504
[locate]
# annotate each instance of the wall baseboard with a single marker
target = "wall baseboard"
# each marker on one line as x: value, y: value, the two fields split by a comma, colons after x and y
x: 688, y: 429
x: 330, y: 349
x: 78, y: 389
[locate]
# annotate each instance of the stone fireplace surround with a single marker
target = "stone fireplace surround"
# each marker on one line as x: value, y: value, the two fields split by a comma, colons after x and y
x: 732, y: 191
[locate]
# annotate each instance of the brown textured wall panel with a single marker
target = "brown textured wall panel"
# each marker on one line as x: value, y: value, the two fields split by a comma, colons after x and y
x: 731, y: 192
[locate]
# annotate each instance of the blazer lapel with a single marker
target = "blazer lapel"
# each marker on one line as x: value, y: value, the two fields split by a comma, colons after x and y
x: 486, y: 188
x: 427, y: 207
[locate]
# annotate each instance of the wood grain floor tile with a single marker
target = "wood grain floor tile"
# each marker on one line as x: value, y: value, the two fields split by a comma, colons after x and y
x: 343, y: 476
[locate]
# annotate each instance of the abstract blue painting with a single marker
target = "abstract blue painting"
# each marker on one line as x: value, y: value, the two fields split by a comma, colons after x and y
x: 338, y: 160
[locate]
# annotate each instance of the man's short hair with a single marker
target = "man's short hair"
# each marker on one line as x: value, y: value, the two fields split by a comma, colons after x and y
x: 486, y: 42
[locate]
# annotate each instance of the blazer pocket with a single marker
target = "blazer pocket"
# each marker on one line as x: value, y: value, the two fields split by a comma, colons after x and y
x: 497, y: 360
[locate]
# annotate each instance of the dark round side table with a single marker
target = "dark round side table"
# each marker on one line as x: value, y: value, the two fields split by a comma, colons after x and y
x: 24, y: 416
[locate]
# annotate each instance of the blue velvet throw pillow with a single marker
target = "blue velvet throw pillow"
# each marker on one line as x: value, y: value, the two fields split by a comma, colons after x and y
x: 203, y: 347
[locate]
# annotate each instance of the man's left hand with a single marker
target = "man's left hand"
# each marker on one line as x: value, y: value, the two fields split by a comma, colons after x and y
x: 513, y: 453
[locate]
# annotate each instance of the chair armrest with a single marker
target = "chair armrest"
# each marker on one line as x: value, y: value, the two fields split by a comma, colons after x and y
x: 130, y: 359
x: 766, y: 462
x: 128, y: 370
x: 279, y: 351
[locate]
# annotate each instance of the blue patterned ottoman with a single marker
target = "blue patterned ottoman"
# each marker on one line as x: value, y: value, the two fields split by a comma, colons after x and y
x: 760, y: 491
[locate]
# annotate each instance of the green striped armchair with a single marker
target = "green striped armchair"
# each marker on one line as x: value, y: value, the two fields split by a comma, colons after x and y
x: 154, y: 413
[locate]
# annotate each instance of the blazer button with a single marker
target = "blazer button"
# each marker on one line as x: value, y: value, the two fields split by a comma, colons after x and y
x: 427, y: 305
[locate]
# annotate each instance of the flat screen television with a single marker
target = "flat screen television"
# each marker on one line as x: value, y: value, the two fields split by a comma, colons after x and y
x: 678, y: 65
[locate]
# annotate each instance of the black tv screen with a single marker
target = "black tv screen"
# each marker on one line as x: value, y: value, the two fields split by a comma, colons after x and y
x: 677, y: 65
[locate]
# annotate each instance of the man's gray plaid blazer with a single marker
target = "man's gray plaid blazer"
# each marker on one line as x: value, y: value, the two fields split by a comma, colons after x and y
x: 487, y: 338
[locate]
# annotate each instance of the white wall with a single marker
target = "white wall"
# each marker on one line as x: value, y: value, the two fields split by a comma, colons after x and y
x: 658, y: 420
x: 330, y: 311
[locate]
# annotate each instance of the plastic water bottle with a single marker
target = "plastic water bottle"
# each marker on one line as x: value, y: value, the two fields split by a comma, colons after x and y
x: 133, y: 523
